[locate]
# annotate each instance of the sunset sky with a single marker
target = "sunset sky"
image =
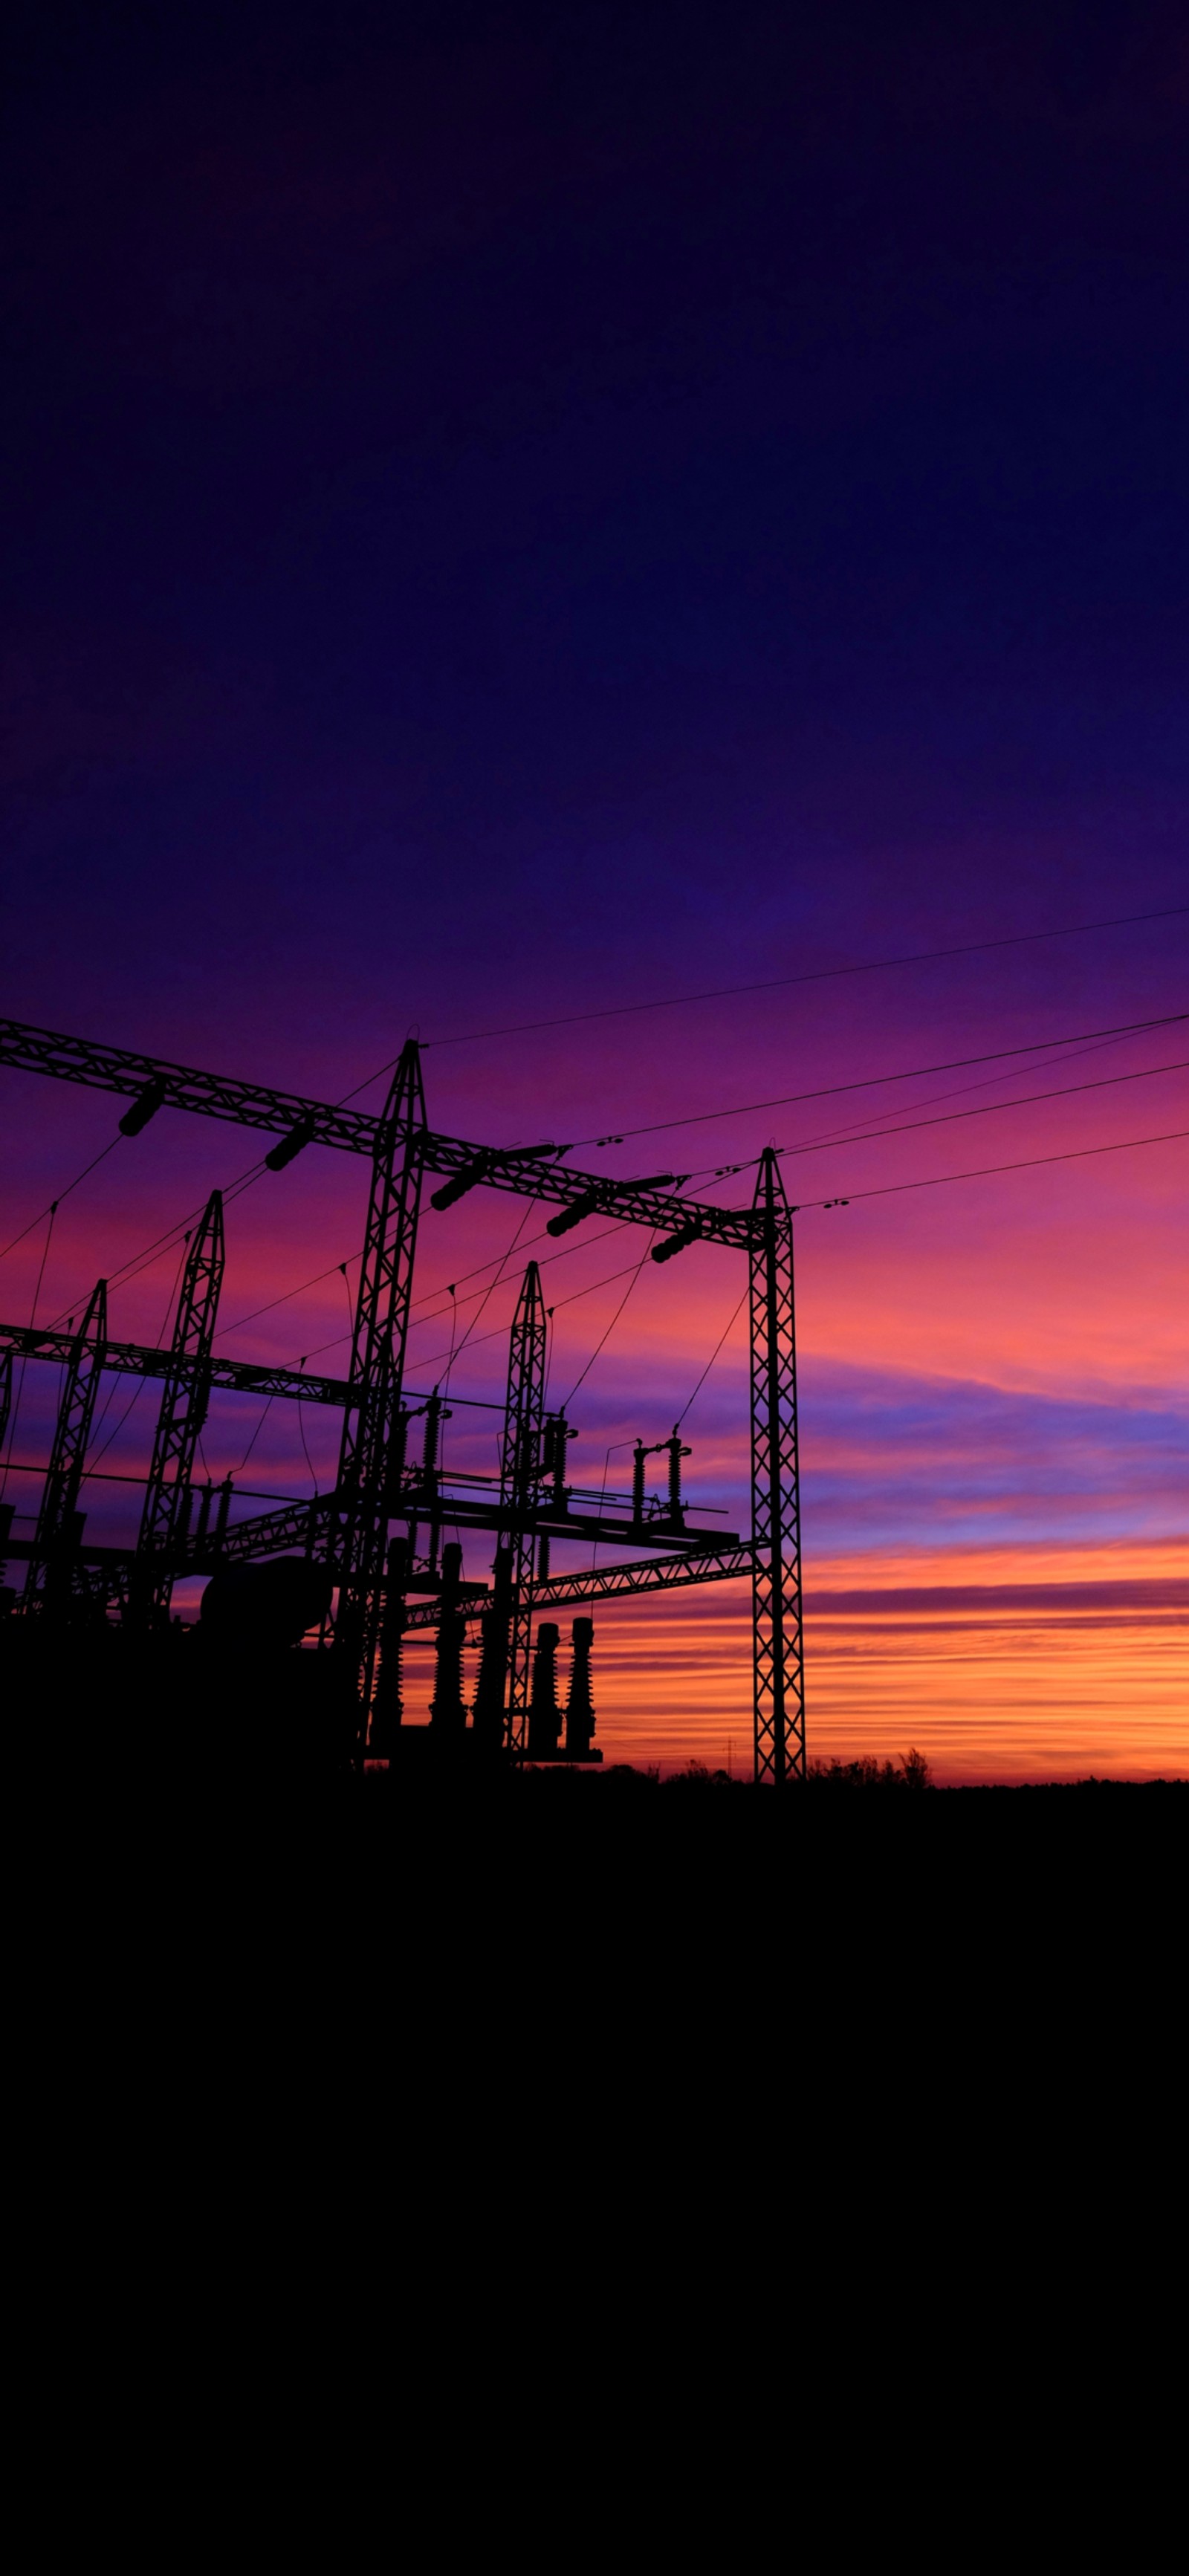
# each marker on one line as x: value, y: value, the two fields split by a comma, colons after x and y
x: 516, y: 515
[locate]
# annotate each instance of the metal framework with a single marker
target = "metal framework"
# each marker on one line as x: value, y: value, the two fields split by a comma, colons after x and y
x: 184, y: 1400
x: 613, y: 1582
x: 524, y: 1415
x: 47, y: 1581
x: 140, y: 1359
x: 302, y: 1122
x: 776, y: 1511
x: 371, y: 1457
x: 352, y: 1525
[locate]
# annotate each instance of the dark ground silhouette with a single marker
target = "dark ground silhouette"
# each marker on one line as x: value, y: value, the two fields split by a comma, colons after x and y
x: 234, y: 1698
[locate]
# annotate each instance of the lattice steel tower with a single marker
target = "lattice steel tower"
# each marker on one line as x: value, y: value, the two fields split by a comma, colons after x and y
x: 523, y: 1424
x: 775, y: 1488
x: 372, y: 1453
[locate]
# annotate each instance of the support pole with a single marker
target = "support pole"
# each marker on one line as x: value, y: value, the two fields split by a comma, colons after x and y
x: 184, y: 1400
x: 488, y: 1714
x: 776, y: 1508
x: 544, y: 1720
x: 388, y: 1706
x: 580, y: 1718
x: 47, y: 1584
x: 523, y: 1419
x: 447, y: 1714
x: 373, y: 1423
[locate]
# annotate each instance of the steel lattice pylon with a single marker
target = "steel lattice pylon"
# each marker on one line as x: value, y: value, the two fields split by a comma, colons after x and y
x: 370, y: 1461
x: 776, y: 1506
x: 184, y: 1401
x: 352, y: 1523
x: 523, y: 1423
x: 48, y: 1579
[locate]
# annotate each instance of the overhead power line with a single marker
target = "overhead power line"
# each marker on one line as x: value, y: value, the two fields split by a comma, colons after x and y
x: 781, y: 983
x: 874, y: 1081
x: 1075, y: 1154
x: 985, y: 1109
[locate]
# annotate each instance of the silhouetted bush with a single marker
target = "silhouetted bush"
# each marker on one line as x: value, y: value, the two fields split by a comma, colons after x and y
x: 696, y: 1776
x: 911, y: 1772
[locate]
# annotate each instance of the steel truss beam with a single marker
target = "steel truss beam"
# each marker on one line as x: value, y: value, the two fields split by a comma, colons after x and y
x: 613, y: 1582
x: 371, y: 1458
x: 775, y: 1491
x: 292, y: 1525
x: 48, y: 1581
x: 353, y: 1131
x: 468, y: 1511
x: 169, y: 1493
x: 136, y: 1359
x: 524, y: 1416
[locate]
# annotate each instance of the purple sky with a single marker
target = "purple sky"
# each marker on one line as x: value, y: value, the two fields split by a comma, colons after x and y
x: 516, y: 512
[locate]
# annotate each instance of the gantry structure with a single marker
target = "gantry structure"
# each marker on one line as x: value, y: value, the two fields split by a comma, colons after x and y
x: 379, y: 1532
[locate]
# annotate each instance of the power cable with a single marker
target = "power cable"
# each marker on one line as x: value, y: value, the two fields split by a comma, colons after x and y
x: 488, y: 1293
x: 710, y: 1362
x: 1073, y: 1155
x: 819, y: 975
x: 873, y: 1081
x: 986, y: 1109
x: 1076, y: 1154
x: 238, y: 1471
x: 772, y: 984
x: 877, y: 1124
x: 161, y: 1243
x: 141, y: 1383
x: 873, y: 1134
x: 565, y: 1301
x: 35, y: 1221
x: 1081, y: 1038
x: 631, y: 1268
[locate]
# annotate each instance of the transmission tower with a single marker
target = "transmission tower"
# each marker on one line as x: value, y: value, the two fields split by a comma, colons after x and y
x: 775, y: 1490
x: 371, y: 1457
x: 523, y: 1420
x: 47, y: 1583
x: 184, y: 1400
x: 352, y: 1523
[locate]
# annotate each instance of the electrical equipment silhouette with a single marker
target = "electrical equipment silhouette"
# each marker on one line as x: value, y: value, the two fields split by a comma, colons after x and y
x: 376, y: 1538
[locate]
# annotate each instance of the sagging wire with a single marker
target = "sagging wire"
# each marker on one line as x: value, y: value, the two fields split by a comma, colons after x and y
x: 614, y: 1320
x: 55, y: 1204
x: 238, y: 1471
x: 500, y: 1333
x: 728, y: 1328
x: 489, y: 1291
x: 162, y: 1243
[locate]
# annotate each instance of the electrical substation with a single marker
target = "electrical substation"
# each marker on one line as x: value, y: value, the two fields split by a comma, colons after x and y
x: 307, y: 1607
